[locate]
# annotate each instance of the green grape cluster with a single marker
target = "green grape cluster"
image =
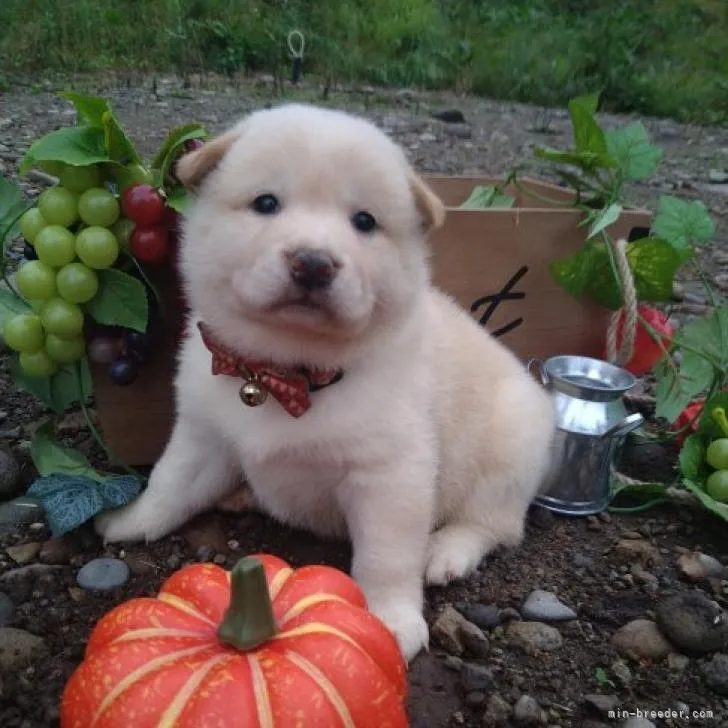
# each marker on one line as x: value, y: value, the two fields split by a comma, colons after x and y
x: 71, y: 233
x: 716, y: 456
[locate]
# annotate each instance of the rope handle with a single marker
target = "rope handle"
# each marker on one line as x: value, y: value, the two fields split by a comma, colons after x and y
x: 622, y: 354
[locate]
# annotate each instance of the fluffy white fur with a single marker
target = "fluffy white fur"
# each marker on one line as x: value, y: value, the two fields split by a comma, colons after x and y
x: 428, y: 452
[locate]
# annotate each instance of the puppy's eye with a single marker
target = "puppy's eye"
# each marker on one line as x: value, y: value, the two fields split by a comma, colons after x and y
x: 266, y: 204
x: 363, y: 222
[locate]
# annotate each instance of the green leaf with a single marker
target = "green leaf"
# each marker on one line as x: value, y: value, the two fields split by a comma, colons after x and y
x: 61, y: 390
x: 715, y: 507
x: 487, y: 196
x: 692, y: 458
x: 121, y: 301
x: 574, y: 272
x: 12, y: 204
x: 11, y: 305
x: 676, y: 389
x: 682, y: 223
x: 588, y: 135
x: 118, y: 144
x: 635, y: 157
x: 77, y: 145
x: 89, y: 108
x: 68, y: 500
x: 654, y: 264
x: 172, y: 146
x: 51, y: 458
x: 709, y: 335
x: 638, y: 491
x: 179, y: 199
x: 585, y: 160
x: 606, y: 218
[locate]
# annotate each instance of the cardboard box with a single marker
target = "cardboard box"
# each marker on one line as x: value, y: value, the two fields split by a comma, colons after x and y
x: 495, y: 262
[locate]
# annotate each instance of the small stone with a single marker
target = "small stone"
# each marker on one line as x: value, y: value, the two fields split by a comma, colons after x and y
x: 173, y: 562
x: 476, y: 677
x: 692, y: 622
x: 632, y: 535
x: 715, y: 673
x: 638, y: 721
x: 475, y: 699
x: 622, y: 673
x: 485, y: 616
x: 453, y: 663
x: 534, y: 637
x: 716, y: 176
x: 103, y: 574
x: 629, y: 551
x: 473, y: 639
x: 602, y: 703
x: 527, y: 711
x: 498, y: 711
x: 56, y: 551
x: 677, y: 662
x: 219, y: 559
x: 209, y: 532
x: 641, y: 639
x: 582, y: 561
x: 427, y: 137
x: 543, y: 606
x: 77, y: 594
x: 696, y: 566
x: 9, y: 473
x: 23, y: 572
x: 20, y: 511
x: 509, y: 614
x: 7, y: 608
x: 641, y: 575
x: 24, y: 553
x: 140, y: 565
x: 205, y: 553
x: 18, y: 648
x: 446, y: 630
x: 593, y: 523
x: 449, y: 116
x: 461, y: 131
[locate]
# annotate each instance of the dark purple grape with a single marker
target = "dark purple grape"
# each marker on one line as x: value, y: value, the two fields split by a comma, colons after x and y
x: 192, y: 144
x: 123, y: 371
x: 139, y: 346
x: 29, y: 252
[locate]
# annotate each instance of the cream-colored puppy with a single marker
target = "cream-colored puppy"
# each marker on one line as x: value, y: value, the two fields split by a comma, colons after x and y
x: 306, y: 247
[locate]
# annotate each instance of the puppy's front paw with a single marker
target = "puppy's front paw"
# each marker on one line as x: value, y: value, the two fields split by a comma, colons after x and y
x: 406, y: 622
x: 127, y: 524
x: 453, y: 552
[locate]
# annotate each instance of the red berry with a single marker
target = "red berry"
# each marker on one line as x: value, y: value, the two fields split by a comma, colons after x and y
x: 150, y: 244
x: 143, y: 204
x: 689, y: 418
x: 647, y: 351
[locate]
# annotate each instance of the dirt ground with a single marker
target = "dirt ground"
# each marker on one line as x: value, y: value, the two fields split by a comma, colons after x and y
x: 610, y: 570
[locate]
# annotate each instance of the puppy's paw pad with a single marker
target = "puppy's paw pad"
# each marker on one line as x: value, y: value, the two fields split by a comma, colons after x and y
x: 407, y: 624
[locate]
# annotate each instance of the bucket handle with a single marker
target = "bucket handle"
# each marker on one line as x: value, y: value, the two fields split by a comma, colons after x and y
x: 538, y: 366
x: 623, y: 427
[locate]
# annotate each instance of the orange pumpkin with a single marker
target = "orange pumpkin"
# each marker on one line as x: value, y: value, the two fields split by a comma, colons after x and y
x: 263, y: 646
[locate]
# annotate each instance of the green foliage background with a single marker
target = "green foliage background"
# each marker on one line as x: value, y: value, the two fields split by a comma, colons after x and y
x: 661, y: 57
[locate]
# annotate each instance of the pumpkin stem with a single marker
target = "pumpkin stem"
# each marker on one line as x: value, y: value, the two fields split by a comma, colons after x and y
x: 249, y: 620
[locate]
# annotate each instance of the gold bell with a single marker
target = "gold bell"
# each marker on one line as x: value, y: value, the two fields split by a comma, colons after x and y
x: 252, y: 394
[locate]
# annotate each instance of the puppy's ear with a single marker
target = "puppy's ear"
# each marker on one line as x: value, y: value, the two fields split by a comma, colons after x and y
x: 429, y: 205
x: 192, y: 168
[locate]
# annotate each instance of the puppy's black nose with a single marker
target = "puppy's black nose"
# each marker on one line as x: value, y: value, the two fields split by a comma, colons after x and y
x: 312, y: 268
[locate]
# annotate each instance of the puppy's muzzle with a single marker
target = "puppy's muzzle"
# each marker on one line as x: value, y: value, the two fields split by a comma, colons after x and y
x: 312, y: 269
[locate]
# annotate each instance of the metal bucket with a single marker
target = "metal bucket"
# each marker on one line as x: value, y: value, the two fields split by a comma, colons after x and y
x: 591, y: 422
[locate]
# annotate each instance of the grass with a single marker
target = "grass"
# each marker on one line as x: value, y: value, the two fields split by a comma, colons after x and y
x: 657, y: 57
